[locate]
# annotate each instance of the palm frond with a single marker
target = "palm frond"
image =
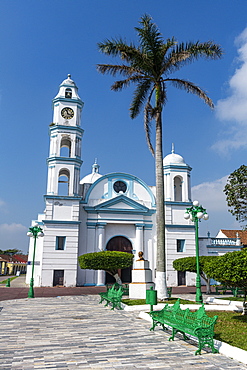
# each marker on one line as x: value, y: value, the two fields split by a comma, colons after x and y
x: 186, y: 53
x: 139, y: 98
x: 149, y: 35
x: 119, y: 85
x: 117, y: 47
x: 148, y: 113
x: 190, y: 88
x: 208, y: 50
x: 116, y: 69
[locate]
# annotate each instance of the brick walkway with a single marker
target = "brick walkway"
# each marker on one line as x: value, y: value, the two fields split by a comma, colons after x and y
x: 75, y: 332
x: 67, y: 328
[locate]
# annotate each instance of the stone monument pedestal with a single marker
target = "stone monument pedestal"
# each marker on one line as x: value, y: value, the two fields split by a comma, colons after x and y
x: 141, y: 280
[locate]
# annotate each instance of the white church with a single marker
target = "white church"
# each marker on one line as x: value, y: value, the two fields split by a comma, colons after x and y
x: 115, y: 211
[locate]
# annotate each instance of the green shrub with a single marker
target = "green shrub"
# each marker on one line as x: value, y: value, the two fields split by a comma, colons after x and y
x: 109, y: 261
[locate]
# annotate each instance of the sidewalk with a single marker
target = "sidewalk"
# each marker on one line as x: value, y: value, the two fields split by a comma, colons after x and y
x: 75, y: 332
x: 19, y: 289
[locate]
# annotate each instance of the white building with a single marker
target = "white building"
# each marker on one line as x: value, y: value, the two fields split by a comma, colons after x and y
x: 115, y: 211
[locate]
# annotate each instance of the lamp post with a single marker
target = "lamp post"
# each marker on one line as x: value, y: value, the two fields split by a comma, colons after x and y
x: 195, y: 214
x: 34, y: 232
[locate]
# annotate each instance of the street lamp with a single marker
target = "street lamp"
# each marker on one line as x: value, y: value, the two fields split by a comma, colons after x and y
x: 35, y: 232
x: 195, y: 214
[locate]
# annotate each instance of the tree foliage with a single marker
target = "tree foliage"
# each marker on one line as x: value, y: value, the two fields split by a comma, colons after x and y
x: 189, y: 264
x: 230, y: 269
x: 236, y: 193
x: 109, y: 261
x: 11, y: 252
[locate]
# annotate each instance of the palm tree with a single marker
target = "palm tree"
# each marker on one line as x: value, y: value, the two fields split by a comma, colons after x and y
x: 149, y: 66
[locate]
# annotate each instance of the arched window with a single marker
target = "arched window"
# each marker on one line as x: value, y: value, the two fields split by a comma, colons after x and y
x: 65, y: 147
x: 177, y: 189
x: 63, y: 182
x: 68, y: 93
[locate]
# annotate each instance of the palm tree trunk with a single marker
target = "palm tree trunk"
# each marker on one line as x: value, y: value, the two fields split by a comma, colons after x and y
x: 161, y: 285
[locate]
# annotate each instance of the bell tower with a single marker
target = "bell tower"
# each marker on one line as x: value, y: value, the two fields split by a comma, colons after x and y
x: 180, y: 235
x: 64, y: 161
x: 61, y: 221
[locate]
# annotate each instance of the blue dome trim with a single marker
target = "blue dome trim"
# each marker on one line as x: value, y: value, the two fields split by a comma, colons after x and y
x: 121, y: 176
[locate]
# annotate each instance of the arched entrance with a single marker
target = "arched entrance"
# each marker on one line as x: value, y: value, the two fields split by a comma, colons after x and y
x: 120, y: 244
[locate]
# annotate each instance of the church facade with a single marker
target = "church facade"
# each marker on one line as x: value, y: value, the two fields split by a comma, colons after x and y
x: 114, y: 211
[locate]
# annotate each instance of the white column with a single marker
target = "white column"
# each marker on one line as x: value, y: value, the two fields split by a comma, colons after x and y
x: 139, y: 239
x: 185, y: 193
x: 168, y: 184
x: 101, y: 247
x: 90, y: 248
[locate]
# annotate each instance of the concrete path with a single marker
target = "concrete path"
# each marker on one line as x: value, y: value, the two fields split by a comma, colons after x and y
x: 75, y: 332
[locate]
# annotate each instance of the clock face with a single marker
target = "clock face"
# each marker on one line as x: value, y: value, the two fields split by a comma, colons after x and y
x: 67, y: 113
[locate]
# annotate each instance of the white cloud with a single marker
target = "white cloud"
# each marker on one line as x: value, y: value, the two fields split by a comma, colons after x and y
x: 234, y: 107
x: 211, y: 196
x: 2, y: 203
x: 13, y: 236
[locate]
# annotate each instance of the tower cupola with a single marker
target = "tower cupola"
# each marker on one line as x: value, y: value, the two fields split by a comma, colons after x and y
x: 68, y: 90
x: 176, y: 178
x: 67, y: 104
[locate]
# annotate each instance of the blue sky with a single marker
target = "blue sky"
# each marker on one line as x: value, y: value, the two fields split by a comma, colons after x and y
x: 42, y: 41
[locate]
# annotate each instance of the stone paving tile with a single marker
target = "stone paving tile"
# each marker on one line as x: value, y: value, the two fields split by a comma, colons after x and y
x: 75, y: 332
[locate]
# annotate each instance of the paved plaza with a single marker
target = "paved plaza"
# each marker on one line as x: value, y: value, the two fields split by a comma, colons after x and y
x: 75, y: 332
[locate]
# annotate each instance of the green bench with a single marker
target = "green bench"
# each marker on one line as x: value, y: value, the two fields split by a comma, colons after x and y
x: 222, y: 289
x: 113, y: 296
x: 197, y: 324
x: 235, y: 291
x: 125, y: 287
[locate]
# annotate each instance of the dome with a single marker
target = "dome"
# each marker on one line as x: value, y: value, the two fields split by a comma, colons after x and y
x: 68, y: 82
x: 174, y: 159
x: 92, y: 177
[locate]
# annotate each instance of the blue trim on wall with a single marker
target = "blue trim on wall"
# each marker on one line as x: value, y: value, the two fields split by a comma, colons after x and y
x: 134, y: 220
x: 78, y: 102
x: 120, y: 176
x: 66, y: 128
x: 61, y: 222
x: 61, y: 197
x: 224, y: 246
x: 187, y: 204
x: 105, y: 207
x: 180, y: 226
x: 65, y: 160
x: 177, y: 167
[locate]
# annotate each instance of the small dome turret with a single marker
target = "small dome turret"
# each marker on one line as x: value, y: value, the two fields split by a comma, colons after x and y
x: 68, y: 82
x: 93, y: 176
x: 174, y: 159
x: 68, y: 90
